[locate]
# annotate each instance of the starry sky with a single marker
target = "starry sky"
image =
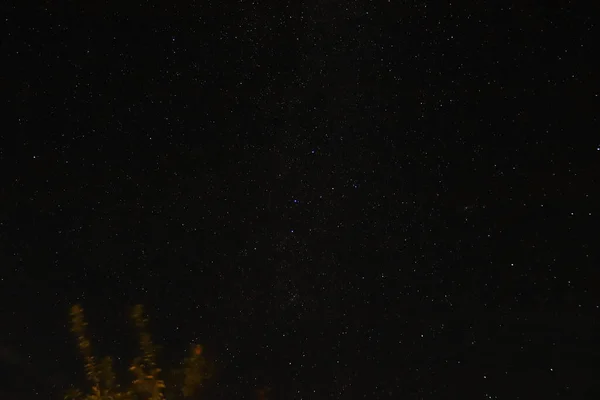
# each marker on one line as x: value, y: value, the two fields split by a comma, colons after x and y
x: 339, y: 200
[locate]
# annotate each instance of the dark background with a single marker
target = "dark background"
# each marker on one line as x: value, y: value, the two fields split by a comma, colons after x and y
x: 338, y: 200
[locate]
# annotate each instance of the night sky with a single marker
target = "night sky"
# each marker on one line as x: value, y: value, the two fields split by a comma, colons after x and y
x: 338, y: 200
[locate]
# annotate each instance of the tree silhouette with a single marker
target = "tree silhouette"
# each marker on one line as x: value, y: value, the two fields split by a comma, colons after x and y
x: 146, y: 384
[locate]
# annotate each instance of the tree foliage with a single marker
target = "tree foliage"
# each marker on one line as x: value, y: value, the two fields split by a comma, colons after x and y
x: 146, y: 383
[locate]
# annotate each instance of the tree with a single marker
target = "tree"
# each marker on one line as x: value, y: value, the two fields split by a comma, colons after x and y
x: 146, y: 384
x: 100, y: 376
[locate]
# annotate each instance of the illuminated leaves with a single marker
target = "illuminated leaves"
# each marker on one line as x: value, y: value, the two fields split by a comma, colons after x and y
x: 144, y: 368
x: 146, y: 383
x: 78, y: 326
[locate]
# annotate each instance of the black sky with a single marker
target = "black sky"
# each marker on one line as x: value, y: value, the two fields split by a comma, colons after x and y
x: 344, y: 200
